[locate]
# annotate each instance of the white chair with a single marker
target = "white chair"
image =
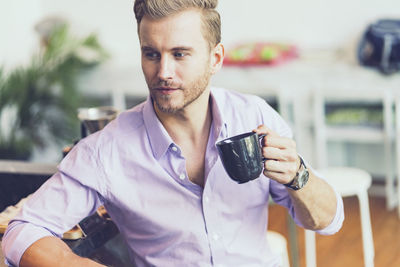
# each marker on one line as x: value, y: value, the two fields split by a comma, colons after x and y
x: 278, y: 245
x: 347, y: 181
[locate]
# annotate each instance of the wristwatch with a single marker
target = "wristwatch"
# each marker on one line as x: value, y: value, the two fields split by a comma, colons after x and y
x: 301, y: 177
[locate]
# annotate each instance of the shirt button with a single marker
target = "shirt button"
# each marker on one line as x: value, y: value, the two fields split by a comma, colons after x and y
x: 174, y: 148
x: 206, y: 199
x: 182, y: 176
x: 215, y: 236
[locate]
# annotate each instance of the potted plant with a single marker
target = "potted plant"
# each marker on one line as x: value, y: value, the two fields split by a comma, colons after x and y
x: 38, y: 103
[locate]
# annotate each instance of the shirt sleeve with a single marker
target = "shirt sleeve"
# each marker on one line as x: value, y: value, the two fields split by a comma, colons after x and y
x: 58, y: 205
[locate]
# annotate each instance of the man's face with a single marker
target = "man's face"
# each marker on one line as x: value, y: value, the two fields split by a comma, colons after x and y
x: 176, y: 59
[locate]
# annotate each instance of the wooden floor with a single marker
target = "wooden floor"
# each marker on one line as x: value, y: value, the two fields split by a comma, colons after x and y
x: 345, y: 247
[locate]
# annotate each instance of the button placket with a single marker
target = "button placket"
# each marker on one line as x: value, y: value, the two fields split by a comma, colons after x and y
x: 180, y: 172
x: 211, y: 222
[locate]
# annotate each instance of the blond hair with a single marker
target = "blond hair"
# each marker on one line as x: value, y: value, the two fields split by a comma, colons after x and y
x: 162, y: 8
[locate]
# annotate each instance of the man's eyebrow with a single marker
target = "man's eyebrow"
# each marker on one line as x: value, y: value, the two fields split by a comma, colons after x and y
x: 178, y: 48
x: 147, y: 48
x: 182, y: 48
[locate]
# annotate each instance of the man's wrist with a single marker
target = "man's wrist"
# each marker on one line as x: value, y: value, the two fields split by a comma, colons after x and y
x: 301, y: 177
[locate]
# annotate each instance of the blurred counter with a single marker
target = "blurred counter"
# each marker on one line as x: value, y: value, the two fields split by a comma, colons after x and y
x: 312, y: 70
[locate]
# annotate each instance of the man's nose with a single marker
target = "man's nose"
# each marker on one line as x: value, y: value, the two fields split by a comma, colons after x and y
x: 166, y: 70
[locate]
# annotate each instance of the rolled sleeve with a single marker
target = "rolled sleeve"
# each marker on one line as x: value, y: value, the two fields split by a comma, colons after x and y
x: 20, y: 236
x: 58, y: 205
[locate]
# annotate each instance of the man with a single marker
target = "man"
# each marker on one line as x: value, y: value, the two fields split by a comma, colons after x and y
x: 157, y: 171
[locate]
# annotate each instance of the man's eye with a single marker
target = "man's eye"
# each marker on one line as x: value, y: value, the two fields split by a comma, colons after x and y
x: 179, y: 54
x: 152, y: 55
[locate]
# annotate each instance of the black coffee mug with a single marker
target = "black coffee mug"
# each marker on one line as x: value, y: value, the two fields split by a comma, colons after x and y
x: 241, y: 156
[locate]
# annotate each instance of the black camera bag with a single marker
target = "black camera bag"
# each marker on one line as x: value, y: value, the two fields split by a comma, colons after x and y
x: 380, y: 46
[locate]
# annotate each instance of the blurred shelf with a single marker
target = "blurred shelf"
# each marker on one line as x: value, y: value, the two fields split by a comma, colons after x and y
x: 356, y: 134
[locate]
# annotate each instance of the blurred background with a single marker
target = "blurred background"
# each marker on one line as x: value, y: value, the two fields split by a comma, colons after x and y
x: 322, y: 30
x: 300, y: 56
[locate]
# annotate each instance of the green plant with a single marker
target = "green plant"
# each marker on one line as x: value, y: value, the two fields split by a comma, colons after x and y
x: 38, y: 103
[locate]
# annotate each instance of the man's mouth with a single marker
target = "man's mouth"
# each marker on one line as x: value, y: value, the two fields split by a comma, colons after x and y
x: 165, y: 90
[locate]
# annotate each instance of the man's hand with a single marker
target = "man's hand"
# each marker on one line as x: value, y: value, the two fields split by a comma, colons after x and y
x: 282, y: 161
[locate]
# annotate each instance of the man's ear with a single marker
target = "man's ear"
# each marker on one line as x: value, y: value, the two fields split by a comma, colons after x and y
x: 217, y: 58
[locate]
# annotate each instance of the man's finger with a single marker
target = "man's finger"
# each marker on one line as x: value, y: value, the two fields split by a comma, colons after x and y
x: 284, y: 171
x: 278, y: 166
x: 262, y: 129
x: 278, y: 142
x: 277, y: 176
x: 272, y: 153
x: 278, y: 154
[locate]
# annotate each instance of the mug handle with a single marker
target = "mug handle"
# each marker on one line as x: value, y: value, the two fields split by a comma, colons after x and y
x: 261, y: 137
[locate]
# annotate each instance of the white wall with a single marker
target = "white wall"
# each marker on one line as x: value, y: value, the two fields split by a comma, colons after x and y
x: 113, y: 21
x: 307, y: 23
x: 17, y: 37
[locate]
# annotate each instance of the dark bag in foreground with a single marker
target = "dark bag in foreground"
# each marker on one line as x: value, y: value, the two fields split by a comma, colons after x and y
x: 380, y: 46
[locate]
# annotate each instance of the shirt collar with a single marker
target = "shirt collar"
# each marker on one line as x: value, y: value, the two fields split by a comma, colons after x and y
x: 159, y: 138
x: 219, y: 121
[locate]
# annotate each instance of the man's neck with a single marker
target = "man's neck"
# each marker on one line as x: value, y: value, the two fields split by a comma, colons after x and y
x: 190, y: 129
x: 192, y: 124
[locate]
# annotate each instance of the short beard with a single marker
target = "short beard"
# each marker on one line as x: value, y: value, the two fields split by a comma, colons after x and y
x: 191, y: 93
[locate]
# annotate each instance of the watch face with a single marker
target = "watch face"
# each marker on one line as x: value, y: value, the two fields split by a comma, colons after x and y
x: 303, y: 178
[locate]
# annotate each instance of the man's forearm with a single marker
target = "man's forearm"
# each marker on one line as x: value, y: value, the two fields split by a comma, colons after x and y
x: 315, y: 203
x: 50, y: 252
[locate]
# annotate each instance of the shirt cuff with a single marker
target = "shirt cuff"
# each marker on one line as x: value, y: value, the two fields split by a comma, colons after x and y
x: 18, y: 237
x: 337, y: 221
